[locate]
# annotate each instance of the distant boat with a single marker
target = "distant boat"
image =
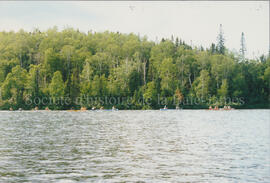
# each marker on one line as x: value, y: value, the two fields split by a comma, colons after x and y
x: 221, y: 109
x: 165, y: 108
x: 162, y: 109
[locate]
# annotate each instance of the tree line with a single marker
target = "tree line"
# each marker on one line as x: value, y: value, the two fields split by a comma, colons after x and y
x: 57, y: 64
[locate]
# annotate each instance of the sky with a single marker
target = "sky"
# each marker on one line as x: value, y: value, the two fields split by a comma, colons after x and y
x: 196, y: 23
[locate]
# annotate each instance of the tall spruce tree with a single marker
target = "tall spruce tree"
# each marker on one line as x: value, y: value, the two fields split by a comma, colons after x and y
x: 221, y: 41
x: 243, y: 48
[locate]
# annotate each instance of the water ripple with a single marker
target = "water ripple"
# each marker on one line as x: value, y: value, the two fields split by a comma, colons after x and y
x: 135, y: 146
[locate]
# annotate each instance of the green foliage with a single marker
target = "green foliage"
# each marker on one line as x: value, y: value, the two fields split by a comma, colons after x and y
x: 223, y: 91
x: 266, y: 78
x: 73, y: 64
x: 99, y: 86
x: 14, y: 86
x: 150, y: 95
x: 266, y: 75
x: 57, y: 86
x: 202, y: 85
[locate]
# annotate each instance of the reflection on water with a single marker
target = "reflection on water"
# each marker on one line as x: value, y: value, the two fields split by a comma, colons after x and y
x: 146, y: 146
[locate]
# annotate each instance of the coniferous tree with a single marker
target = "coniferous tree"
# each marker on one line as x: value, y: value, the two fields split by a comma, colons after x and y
x: 213, y: 48
x: 176, y: 42
x: 221, y: 41
x: 243, y: 46
x: 172, y: 38
x: 72, y: 64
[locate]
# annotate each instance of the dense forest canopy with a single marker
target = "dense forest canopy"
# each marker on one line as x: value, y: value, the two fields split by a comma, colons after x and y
x: 44, y: 68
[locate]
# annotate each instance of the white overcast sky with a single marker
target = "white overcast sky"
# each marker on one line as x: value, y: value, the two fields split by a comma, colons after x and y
x: 196, y: 21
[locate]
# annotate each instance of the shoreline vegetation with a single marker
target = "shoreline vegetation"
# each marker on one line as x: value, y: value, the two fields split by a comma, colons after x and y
x: 69, y: 64
x: 111, y: 110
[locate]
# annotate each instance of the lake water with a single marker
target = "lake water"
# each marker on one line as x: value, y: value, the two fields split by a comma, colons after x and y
x: 131, y: 146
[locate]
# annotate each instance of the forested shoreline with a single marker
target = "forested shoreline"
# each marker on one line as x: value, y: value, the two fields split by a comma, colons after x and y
x: 72, y: 64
